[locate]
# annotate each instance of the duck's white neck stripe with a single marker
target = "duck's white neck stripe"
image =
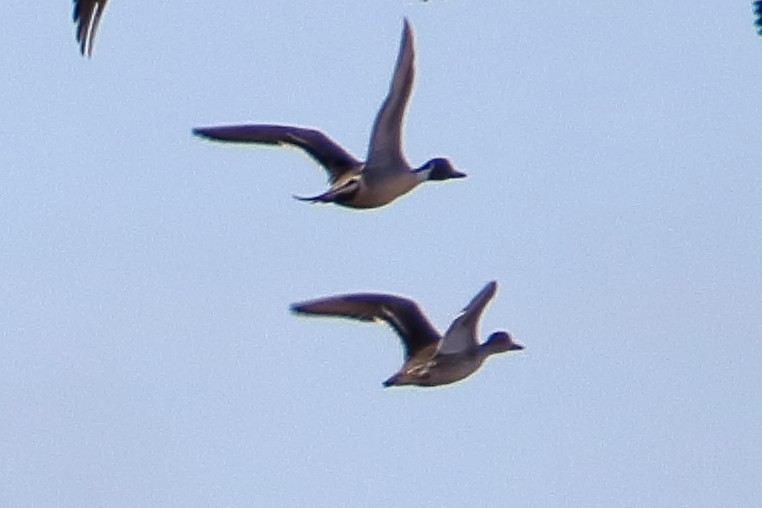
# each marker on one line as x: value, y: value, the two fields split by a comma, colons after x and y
x: 423, y: 174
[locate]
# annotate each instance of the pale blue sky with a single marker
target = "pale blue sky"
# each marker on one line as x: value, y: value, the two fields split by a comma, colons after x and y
x: 147, y: 355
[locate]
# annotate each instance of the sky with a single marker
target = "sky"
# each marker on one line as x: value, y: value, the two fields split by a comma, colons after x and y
x: 147, y: 353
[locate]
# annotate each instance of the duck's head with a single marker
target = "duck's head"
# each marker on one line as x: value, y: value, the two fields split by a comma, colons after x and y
x: 500, y: 342
x: 441, y: 169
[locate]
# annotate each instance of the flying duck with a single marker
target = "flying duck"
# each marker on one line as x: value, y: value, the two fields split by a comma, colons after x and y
x: 87, y: 15
x: 384, y: 176
x: 430, y: 358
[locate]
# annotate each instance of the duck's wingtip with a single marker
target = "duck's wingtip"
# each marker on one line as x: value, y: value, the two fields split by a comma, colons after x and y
x: 407, y: 27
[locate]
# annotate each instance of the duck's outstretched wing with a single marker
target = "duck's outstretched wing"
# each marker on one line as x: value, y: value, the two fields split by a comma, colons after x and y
x: 758, y: 15
x: 386, y: 138
x: 462, y: 333
x: 320, y: 147
x: 402, y: 314
x: 87, y: 15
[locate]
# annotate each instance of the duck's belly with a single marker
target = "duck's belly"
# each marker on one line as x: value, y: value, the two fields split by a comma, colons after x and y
x: 380, y: 193
x: 442, y: 370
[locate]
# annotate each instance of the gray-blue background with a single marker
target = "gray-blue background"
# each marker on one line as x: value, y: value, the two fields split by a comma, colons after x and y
x: 147, y: 355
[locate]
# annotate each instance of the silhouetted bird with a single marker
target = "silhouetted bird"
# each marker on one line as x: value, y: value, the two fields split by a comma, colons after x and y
x: 430, y: 358
x: 384, y: 176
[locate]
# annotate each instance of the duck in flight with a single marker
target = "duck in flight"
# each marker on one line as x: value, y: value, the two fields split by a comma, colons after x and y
x: 431, y: 359
x: 384, y: 176
x: 87, y: 14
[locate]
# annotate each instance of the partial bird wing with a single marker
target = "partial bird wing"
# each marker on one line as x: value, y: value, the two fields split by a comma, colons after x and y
x: 87, y: 15
x: 323, y: 149
x: 758, y: 13
x: 386, y: 138
x: 402, y: 314
x: 462, y: 333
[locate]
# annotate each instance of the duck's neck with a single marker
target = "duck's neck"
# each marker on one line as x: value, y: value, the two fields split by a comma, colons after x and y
x: 490, y: 348
x: 422, y: 174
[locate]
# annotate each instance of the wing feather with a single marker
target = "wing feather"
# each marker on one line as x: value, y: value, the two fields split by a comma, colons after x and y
x: 386, y: 138
x: 319, y: 146
x: 462, y: 333
x: 402, y: 314
x: 87, y: 15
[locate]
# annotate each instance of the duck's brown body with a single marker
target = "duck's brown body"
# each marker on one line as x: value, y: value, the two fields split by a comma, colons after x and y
x: 430, y: 358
